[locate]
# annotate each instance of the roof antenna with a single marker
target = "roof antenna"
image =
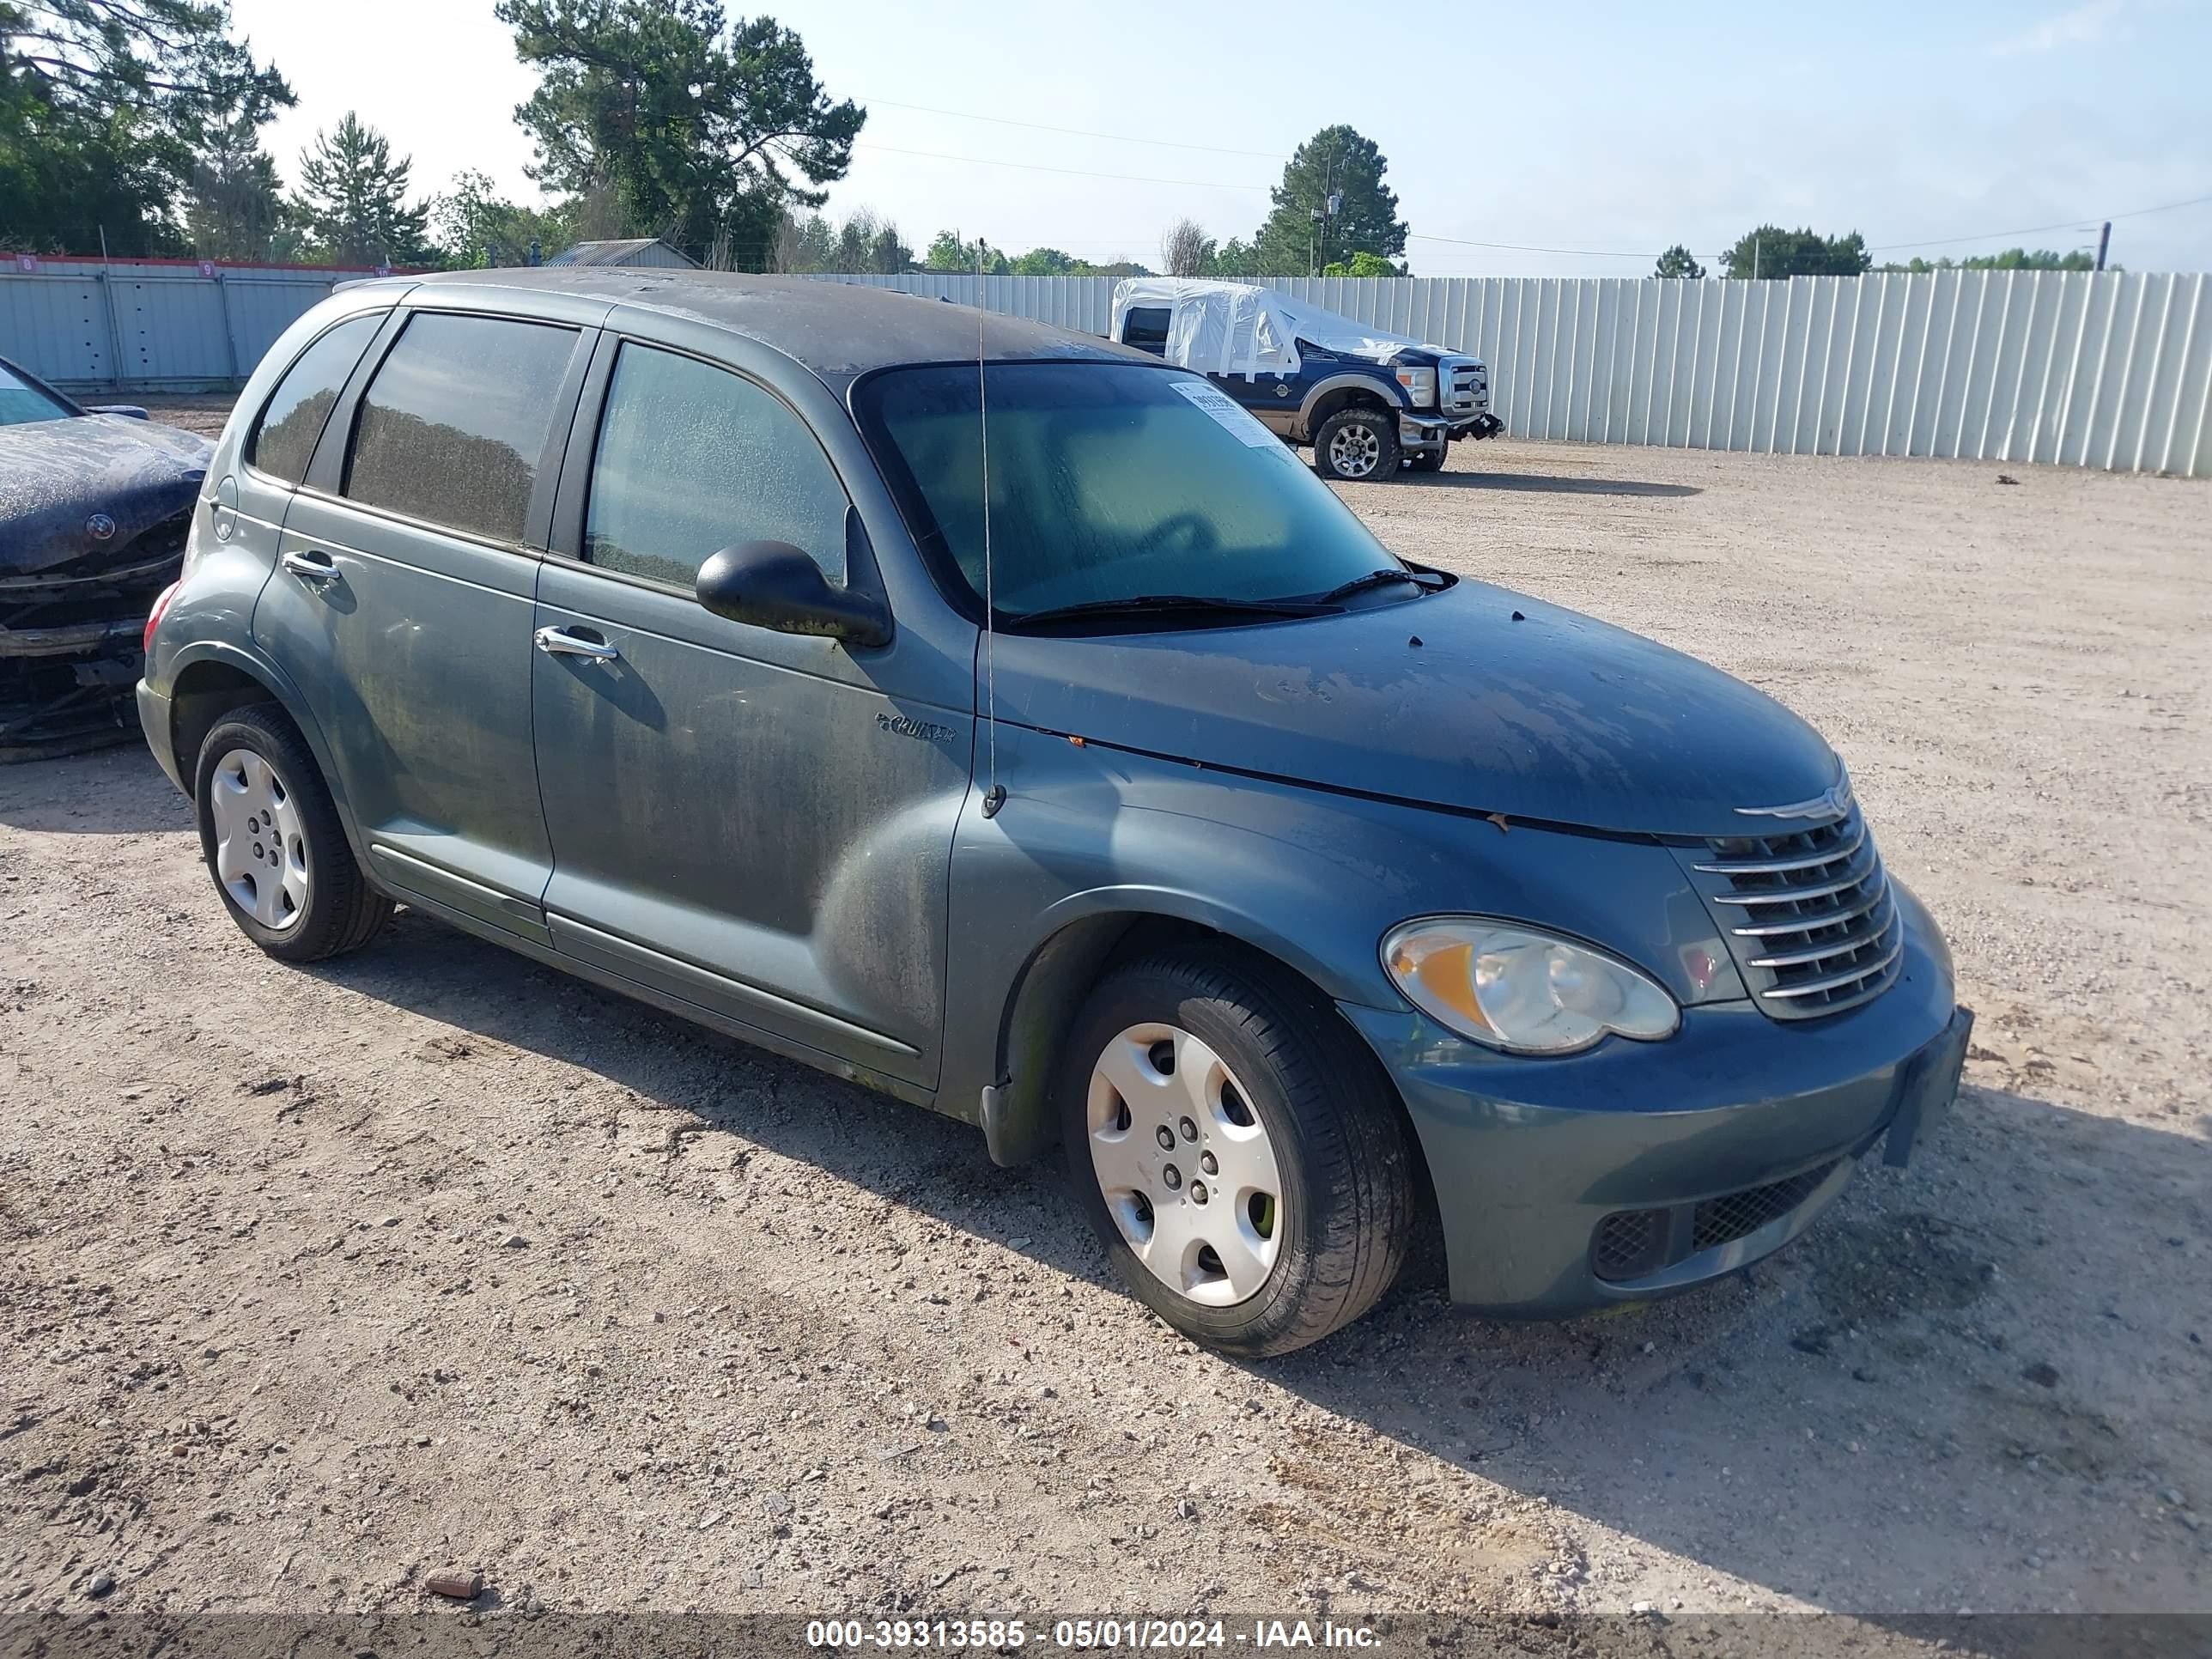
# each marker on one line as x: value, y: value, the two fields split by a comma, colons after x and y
x: 995, y: 796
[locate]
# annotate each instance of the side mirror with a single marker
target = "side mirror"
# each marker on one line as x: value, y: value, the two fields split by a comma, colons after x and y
x: 774, y: 585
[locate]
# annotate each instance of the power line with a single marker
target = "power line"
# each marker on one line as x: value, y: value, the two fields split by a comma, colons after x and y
x: 2082, y: 223
x: 1072, y: 132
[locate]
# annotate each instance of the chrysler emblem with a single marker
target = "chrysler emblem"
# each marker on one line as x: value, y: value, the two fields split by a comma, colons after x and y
x: 1832, y: 805
x: 99, y: 526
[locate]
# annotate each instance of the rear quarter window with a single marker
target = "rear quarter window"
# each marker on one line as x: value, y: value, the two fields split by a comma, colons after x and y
x: 283, y: 438
x: 453, y: 428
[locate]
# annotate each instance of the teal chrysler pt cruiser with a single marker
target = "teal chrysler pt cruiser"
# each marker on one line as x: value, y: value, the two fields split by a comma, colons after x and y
x: 1005, y: 719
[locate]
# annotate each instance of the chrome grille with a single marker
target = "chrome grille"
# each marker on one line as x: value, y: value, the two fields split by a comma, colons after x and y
x: 1807, y: 914
x: 1466, y: 387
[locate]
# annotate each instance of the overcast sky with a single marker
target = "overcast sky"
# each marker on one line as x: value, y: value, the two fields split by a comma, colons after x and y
x: 1583, y: 131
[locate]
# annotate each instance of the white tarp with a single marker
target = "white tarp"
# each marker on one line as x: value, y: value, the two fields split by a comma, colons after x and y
x: 1236, y: 328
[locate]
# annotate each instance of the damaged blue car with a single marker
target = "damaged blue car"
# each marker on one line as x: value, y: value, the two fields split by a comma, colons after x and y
x: 1005, y: 719
x: 94, y: 508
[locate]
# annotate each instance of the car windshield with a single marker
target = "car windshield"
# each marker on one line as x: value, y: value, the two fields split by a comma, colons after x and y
x: 21, y: 402
x: 1110, y: 482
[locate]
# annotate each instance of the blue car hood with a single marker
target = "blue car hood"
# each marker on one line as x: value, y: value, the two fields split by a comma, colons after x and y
x: 1447, y: 701
x: 55, y: 475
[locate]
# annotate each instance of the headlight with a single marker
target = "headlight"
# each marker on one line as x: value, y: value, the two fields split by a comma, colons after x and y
x: 1525, y: 992
x: 1420, y: 385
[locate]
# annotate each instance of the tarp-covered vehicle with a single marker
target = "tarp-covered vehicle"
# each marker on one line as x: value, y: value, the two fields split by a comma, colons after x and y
x: 94, y: 508
x: 1368, y: 400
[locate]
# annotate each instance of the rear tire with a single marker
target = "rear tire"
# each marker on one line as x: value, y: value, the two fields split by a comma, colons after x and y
x: 270, y: 836
x: 1358, y: 444
x: 1257, y: 1084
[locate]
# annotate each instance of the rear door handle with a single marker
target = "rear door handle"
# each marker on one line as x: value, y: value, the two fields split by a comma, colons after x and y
x: 311, y: 566
x: 559, y: 642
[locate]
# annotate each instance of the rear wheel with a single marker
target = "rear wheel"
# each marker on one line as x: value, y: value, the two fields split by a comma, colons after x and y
x: 270, y: 834
x: 1239, y: 1155
x: 1357, y: 444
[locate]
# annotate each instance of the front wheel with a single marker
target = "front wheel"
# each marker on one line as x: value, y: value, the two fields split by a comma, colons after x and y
x: 1357, y: 444
x: 270, y: 834
x: 1239, y: 1155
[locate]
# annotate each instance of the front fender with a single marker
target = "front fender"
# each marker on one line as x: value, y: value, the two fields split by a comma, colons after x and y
x: 1387, y: 390
x: 1091, y: 840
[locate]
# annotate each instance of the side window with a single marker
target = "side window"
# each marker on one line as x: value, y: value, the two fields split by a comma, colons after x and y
x: 284, y: 437
x: 1146, y: 327
x: 454, y: 425
x: 692, y: 460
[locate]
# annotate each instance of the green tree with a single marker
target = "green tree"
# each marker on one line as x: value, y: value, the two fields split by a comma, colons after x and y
x: 234, y: 207
x: 1048, y: 262
x: 1364, y: 264
x: 472, y: 225
x: 1301, y: 235
x: 352, y: 201
x: 2011, y: 259
x: 1773, y: 251
x: 104, y: 105
x: 1236, y: 259
x: 948, y: 254
x: 704, y: 130
x: 868, y: 244
x: 1678, y: 261
x: 1186, y: 249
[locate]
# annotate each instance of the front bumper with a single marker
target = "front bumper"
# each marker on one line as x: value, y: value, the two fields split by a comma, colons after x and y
x: 1737, y: 1118
x: 70, y: 652
x: 1420, y: 432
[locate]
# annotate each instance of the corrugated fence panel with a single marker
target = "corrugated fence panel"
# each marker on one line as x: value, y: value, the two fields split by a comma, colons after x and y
x: 152, y: 327
x: 2110, y: 370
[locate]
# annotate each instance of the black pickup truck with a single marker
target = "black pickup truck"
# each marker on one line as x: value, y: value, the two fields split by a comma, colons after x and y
x: 1368, y: 401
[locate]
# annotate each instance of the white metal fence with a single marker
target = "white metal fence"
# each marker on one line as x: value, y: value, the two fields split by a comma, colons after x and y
x: 2111, y: 370
x: 150, y: 325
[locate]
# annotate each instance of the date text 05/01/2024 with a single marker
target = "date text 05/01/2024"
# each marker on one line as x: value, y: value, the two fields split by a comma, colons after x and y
x: 1161, y: 1635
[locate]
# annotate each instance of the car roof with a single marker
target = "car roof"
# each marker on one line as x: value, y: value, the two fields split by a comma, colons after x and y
x: 838, y: 330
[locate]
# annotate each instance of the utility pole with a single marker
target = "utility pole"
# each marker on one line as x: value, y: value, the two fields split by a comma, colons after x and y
x: 2104, y: 243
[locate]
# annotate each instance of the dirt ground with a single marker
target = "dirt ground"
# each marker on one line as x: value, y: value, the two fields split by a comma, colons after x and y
x: 317, y: 1281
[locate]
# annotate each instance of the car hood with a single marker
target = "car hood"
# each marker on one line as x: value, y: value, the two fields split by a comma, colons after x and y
x: 60, y: 480
x: 1476, y: 699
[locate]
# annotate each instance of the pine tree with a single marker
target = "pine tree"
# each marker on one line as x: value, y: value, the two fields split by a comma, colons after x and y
x: 353, y: 198
x: 1301, y: 235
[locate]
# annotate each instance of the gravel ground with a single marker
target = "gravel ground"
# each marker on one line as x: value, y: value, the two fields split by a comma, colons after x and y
x: 318, y: 1281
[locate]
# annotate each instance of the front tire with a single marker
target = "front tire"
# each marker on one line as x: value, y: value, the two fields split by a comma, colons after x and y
x: 1358, y: 444
x: 1240, y: 1156
x: 270, y: 836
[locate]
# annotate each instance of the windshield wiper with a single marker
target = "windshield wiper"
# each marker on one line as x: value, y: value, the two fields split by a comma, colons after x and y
x: 1199, y: 604
x: 1374, y: 579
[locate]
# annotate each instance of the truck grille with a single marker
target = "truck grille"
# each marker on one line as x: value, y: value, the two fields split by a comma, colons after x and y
x: 1466, y: 387
x: 1807, y: 913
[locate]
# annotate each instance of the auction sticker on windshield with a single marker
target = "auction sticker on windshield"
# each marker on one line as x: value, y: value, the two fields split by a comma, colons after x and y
x: 1224, y: 409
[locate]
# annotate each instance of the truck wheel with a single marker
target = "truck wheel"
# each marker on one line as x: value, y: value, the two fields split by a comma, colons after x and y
x: 1239, y: 1155
x: 1357, y: 444
x: 270, y: 834
x: 1427, y: 460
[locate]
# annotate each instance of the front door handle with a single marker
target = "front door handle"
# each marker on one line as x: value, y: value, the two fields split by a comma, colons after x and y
x: 559, y: 642
x: 311, y: 566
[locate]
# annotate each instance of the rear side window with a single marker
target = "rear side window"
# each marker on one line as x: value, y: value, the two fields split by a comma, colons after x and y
x: 1146, y: 327
x: 454, y: 426
x: 691, y: 459
x: 292, y: 420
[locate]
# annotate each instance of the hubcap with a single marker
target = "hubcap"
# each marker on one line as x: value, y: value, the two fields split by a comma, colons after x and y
x: 260, y: 844
x: 1185, y: 1165
x: 1355, y: 451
